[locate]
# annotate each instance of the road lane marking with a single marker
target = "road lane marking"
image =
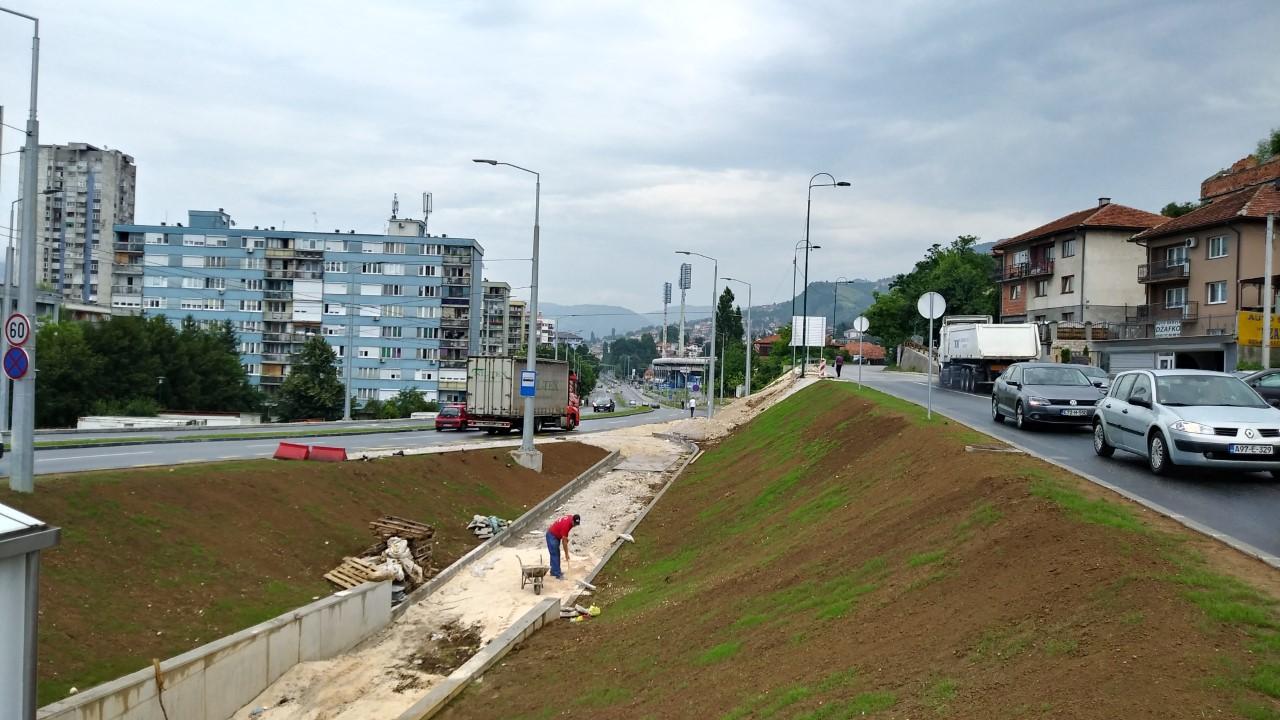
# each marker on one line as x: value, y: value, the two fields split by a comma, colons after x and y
x: 90, y: 457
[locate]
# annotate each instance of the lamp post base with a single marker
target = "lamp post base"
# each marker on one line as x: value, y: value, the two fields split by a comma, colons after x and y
x: 531, y: 459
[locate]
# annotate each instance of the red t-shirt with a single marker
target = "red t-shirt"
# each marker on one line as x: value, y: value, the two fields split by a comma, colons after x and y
x: 561, y: 527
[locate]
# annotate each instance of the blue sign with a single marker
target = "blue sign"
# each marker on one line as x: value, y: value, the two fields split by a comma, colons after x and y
x: 696, y: 387
x: 528, y: 383
x: 16, y: 363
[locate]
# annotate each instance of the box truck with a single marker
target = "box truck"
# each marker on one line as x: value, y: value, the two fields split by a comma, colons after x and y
x: 973, y: 351
x: 494, y: 403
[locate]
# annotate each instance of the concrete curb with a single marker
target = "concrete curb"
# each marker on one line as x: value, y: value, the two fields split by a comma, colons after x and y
x: 1183, y: 520
x: 607, y: 463
x: 440, y: 695
x: 247, y: 436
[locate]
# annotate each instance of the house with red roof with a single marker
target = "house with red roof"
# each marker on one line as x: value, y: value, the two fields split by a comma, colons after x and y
x: 1202, y: 275
x: 1076, y: 269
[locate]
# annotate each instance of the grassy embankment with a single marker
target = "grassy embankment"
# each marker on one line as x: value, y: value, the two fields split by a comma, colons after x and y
x: 841, y: 555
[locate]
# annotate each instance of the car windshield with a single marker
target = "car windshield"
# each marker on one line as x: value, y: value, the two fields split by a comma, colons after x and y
x: 1217, y: 390
x: 1093, y: 372
x: 1054, y: 376
x: 449, y: 412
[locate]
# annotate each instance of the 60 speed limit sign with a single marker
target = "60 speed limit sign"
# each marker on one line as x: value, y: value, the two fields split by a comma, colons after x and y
x: 17, y: 329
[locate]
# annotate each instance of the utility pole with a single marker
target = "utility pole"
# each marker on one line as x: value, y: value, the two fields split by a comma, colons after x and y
x: 9, y: 273
x: 1266, y: 293
x: 22, y: 463
x: 666, y: 300
x: 686, y: 282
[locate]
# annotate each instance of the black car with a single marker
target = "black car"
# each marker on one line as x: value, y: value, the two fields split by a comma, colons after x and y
x: 1267, y: 384
x: 1050, y: 393
x: 602, y: 405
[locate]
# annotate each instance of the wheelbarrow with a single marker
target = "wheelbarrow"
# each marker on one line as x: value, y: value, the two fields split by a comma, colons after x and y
x: 532, y: 574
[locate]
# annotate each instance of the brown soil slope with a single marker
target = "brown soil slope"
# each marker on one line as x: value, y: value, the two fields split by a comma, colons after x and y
x: 156, y: 561
x: 841, y: 556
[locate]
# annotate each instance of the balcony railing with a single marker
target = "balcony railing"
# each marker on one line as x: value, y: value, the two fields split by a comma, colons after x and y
x: 464, y: 281
x: 1163, y: 270
x: 275, y: 358
x: 1189, y: 310
x: 133, y: 247
x: 294, y: 275
x: 129, y: 269
x: 1019, y: 271
x: 126, y: 290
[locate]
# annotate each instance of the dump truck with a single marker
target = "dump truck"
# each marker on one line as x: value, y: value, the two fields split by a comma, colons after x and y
x: 973, y: 351
x: 494, y: 403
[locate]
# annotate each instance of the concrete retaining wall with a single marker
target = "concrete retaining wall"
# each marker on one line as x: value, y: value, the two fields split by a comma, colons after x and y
x: 215, y: 680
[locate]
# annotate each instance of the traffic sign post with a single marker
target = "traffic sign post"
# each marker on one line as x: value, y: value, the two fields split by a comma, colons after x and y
x: 930, y: 305
x: 16, y: 363
x: 528, y: 383
x: 860, y: 325
x: 17, y: 329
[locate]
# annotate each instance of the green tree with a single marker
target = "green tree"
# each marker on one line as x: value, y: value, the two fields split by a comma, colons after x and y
x: 70, y: 373
x: 1177, y: 209
x: 1269, y: 146
x: 728, y: 319
x: 312, y: 389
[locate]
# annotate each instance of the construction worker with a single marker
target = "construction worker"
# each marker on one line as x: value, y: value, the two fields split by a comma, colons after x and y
x: 557, y: 538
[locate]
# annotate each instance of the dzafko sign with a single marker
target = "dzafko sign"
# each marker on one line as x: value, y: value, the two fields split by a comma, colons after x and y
x: 1168, y: 328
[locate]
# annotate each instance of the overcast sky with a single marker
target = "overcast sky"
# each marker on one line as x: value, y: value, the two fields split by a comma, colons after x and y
x: 657, y: 126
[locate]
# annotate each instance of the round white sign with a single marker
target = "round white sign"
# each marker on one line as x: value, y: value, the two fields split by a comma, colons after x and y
x: 860, y: 323
x: 17, y: 329
x: 931, y: 305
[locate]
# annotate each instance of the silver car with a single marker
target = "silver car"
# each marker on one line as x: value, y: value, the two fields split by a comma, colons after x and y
x: 1034, y: 393
x: 1188, y: 417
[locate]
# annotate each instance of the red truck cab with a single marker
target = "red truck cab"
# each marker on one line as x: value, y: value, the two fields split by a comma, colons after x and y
x: 452, y: 417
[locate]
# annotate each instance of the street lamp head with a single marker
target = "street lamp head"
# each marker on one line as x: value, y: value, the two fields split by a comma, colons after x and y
x: 683, y: 252
x: 486, y: 162
x: 842, y: 183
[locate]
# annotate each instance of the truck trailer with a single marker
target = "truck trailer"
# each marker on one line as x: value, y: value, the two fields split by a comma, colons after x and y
x: 494, y: 403
x: 973, y: 351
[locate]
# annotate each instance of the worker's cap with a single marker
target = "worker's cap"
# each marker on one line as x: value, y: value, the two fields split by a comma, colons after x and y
x: 577, y: 519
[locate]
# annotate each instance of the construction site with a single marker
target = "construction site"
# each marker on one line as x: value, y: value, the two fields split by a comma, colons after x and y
x: 805, y: 554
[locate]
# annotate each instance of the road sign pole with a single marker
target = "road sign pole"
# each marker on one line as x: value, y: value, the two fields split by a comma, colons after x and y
x: 928, y: 362
x: 860, y: 361
x: 930, y: 305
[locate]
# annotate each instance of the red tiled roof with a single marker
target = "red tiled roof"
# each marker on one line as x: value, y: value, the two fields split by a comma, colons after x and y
x: 768, y: 340
x: 1110, y: 215
x: 870, y: 351
x: 1254, y: 202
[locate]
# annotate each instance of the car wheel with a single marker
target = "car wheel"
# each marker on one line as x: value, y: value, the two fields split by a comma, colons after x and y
x: 1158, y: 460
x: 996, y: 415
x: 1100, y: 444
x: 1020, y: 419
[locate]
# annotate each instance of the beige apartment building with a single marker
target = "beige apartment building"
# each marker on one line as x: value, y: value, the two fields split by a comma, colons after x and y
x: 1202, y: 274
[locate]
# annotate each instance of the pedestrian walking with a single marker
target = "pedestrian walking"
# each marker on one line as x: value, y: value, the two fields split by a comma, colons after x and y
x: 693, y: 404
x: 557, y: 538
x: 839, y: 363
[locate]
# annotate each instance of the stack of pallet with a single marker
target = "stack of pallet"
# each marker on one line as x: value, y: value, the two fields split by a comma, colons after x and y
x: 356, y: 570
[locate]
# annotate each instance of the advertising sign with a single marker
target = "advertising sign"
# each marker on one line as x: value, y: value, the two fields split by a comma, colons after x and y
x: 816, y: 334
x: 1249, y: 329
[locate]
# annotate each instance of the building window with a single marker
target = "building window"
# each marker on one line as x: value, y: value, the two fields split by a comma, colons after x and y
x: 371, y: 247
x: 1068, y: 317
x: 426, y: 270
x: 1039, y: 318
x: 1068, y: 284
x: 1217, y: 247
x: 250, y: 306
x: 1042, y: 288
x: 1175, y: 297
x: 254, y: 264
x: 428, y: 291
x: 393, y: 290
x: 366, y: 352
x: 393, y: 331
x: 335, y: 266
x: 393, y: 248
x: 371, y: 268
x: 1069, y: 248
x: 252, y: 284
x: 154, y: 303
x: 335, y: 245
x: 192, y: 305
x: 153, y: 238
x: 429, y: 333
x: 1022, y: 257
x: 215, y: 284
x: 193, y: 240
x: 393, y: 311
x: 1216, y: 292
x: 428, y: 354
x: 155, y: 281
x: 192, y: 283
x: 428, y: 312
x: 389, y: 353
x: 393, y: 268
x: 432, y: 249
x: 1175, y: 255
x: 367, y: 373
x: 1015, y: 292
x: 253, y: 242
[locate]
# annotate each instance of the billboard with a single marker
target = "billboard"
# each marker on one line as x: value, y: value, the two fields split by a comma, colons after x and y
x: 1249, y: 329
x: 813, y: 333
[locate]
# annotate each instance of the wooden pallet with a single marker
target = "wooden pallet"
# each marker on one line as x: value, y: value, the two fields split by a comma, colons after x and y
x: 352, y: 572
x: 388, y: 525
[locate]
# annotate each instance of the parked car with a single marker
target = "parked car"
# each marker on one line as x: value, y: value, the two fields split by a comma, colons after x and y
x: 452, y: 417
x: 603, y: 404
x: 1188, y: 417
x: 1051, y: 393
x: 1096, y: 375
x: 1266, y: 383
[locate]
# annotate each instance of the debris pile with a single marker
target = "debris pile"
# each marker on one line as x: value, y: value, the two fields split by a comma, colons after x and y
x: 486, y: 527
x: 401, y: 555
x: 577, y: 613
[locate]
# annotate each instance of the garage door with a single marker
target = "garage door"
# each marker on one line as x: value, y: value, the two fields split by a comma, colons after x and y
x: 1119, y: 362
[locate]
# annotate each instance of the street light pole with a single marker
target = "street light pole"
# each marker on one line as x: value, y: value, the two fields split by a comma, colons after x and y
x: 711, y: 357
x: 22, y: 463
x: 794, y: 254
x: 527, y: 455
x: 804, y: 336
x: 748, y: 342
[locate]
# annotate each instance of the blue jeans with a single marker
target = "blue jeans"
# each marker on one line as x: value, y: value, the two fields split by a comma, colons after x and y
x: 553, y: 547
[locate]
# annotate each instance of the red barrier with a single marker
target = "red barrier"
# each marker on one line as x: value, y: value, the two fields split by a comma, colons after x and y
x: 328, y: 454
x: 292, y: 451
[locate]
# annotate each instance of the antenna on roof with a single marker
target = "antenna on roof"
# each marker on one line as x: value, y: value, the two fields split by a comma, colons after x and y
x: 426, y: 212
x: 395, y: 205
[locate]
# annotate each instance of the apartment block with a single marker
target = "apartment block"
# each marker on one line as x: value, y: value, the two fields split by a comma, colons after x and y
x: 83, y: 192
x: 1076, y: 269
x: 494, y: 333
x: 404, y: 305
x: 1202, y: 275
x: 517, y: 329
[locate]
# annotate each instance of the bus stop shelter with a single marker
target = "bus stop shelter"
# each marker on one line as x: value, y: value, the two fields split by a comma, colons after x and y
x: 22, y: 537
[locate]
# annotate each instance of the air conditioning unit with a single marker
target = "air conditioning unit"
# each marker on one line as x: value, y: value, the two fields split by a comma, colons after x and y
x: 249, y: 249
x: 1191, y: 242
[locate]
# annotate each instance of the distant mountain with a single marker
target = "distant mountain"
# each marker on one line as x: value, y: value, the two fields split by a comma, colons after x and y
x: 598, y: 319
x: 854, y: 298
x: 984, y: 248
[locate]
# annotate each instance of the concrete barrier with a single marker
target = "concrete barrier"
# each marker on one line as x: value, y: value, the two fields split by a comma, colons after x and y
x: 326, y: 453
x: 215, y: 680
x: 544, y: 612
x: 292, y: 451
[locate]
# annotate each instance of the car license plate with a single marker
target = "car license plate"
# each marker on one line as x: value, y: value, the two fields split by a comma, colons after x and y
x: 1251, y: 449
x: 1076, y: 412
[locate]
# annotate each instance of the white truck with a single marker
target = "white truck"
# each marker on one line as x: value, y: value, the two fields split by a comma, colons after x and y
x: 494, y: 403
x: 973, y: 350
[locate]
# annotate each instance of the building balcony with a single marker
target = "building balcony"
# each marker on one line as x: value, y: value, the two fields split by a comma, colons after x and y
x: 130, y: 247
x: 462, y: 281
x: 279, y: 252
x: 1022, y: 271
x: 128, y: 269
x: 461, y: 323
x: 451, y: 384
x: 294, y: 275
x: 1161, y: 311
x: 1163, y: 271
x: 270, y: 379
x: 275, y: 358
x: 277, y: 294
x: 126, y: 290
x: 280, y: 316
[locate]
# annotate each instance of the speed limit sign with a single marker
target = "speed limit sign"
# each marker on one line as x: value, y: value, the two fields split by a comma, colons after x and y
x: 17, y: 329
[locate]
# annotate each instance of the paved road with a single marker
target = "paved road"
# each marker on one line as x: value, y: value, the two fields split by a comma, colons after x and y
x: 78, y: 459
x: 1244, y: 507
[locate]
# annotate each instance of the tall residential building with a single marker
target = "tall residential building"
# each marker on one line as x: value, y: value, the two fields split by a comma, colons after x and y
x: 93, y: 191
x: 401, y: 303
x: 517, y: 330
x: 494, y: 337
x: 546, y: 330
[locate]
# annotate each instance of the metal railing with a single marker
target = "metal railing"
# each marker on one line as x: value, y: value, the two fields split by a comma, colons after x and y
x: 126, y: 290
x: 1020, y: 271
x: 134, y: 247
x: 1189, y: 310
x: 1163, y: 270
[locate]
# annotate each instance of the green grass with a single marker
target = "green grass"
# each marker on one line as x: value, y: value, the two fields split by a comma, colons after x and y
x: 1054, y: 647
x: 603, y: 697
x: 939, y: 694
x: 719, y: 653
x: 862, y: 704
x: 227, y: 436
x: 1096, y: 512
x: 927, y: 558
